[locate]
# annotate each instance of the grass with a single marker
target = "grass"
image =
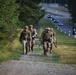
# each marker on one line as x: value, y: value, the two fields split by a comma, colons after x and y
x: 66, y: 50
x: 11, y: 51
x: 64, y: 53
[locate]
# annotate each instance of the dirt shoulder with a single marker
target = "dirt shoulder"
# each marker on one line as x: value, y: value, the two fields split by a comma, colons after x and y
x: 31, y: 65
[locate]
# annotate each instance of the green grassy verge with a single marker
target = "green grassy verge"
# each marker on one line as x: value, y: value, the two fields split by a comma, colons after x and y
x: 7, y: 53
x: 66, y: 46
x: 64, y: 53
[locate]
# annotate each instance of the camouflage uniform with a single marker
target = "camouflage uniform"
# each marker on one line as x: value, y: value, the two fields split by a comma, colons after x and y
x: 47, y: 39
x: 24, y: 39
x: 33, y: 35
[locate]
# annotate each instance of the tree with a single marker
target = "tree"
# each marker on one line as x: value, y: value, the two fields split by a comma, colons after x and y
x: 72, y: 9
x: 8, y: 19
x: 30, y: 12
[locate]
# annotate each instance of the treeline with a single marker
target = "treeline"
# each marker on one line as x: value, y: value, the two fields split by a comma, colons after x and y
x: 8, y: 21
x: 71, y: 5
x: 56, y: 1
x: 72, y: 9
x: 15, y: 14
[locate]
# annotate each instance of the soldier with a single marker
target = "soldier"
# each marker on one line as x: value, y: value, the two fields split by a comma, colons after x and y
x: 24, y: 39
x: 47, y: 39
x: 33, y: 36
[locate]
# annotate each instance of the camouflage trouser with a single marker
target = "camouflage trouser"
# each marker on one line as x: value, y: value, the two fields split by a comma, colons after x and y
x: 25, y: 46
x: 47, y: 46
x: 32, y: 42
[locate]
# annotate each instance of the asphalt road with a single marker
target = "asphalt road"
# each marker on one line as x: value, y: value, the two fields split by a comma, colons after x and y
x: 62, y: 17
x: 54, y: 11
x: 66, y: 28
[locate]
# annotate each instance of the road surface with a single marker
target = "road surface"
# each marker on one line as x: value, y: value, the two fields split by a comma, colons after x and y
x: 32, y: 65
x: 62, y: 17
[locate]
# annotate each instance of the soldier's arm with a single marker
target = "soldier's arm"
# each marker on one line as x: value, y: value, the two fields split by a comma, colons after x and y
x: 30, y: 36
x: 54, y: 36
x: 35, y: 33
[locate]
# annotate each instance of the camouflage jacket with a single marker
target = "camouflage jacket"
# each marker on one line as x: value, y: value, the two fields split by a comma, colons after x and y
x: 24, y: 35
x: 33, y: 33
x: 48, y: 36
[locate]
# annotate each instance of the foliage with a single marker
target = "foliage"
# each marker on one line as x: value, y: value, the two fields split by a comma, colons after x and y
x: 11, y: 11
x: 14, y: 53
x: 30, y: 12
x: 72, y: 9
x: 8, y: 21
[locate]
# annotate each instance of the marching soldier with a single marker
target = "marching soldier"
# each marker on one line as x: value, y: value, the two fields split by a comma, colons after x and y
x: 33, y: 36
x: 24, y: 39
x: 47, y: 39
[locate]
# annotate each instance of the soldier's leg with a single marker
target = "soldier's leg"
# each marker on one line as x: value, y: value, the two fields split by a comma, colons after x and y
x: 27, y: 47
x: 24, y: 46
x: 45, y: 47
x: 29, y: 42
x: 51, y: 44
x: 48, y: 46
x: 32, y: 45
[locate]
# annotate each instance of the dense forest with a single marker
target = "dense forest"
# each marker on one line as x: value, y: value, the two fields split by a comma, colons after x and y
x: 15, y: 14
x: 8, y: 21
x: 72, y: 9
